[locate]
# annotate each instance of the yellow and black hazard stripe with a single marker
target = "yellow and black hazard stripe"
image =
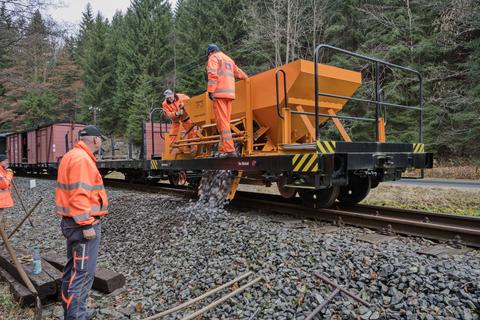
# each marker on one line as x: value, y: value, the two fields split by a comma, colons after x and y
x: 154, y: 165
x: 418, y: 147
x: 305, y: 162
x: 326, y: 147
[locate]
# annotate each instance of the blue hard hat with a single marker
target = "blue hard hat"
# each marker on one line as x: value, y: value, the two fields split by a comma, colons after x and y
x: 212, y: 47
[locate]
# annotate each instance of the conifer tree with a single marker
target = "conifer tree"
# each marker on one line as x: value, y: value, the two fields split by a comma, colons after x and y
x: 145, y: 58
x: 199, y: 23
x: 86, y: 23
x: 97, y: 75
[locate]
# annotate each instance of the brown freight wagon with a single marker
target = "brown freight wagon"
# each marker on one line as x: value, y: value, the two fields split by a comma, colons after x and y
x: 42, y: 146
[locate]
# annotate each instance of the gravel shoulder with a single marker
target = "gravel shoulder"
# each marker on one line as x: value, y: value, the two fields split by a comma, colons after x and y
x: 436, y: 199
x: 172, y: 250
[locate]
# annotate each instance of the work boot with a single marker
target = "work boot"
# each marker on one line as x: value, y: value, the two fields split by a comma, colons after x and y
x: 89, y: 314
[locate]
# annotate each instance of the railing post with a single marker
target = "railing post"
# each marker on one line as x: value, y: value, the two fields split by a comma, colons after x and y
x: 249, y: 117
x: 287, y: 126
x: 284, y: 91
x: 315, y: 74
x: 420, y: 124
x: 377, y: 99
x: 153, y: 136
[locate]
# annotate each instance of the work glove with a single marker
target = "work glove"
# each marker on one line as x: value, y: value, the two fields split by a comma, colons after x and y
x: 210, y: 96
x: 89, y: 233
x: 179, y: 113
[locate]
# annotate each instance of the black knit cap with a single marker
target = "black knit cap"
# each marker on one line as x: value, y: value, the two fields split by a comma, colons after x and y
x: 91, y: 131
x: 3, y: 157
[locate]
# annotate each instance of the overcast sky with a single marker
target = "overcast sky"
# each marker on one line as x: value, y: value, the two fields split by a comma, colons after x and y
x: 71, y: 12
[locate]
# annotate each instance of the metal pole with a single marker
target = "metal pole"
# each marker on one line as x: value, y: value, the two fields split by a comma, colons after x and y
x: 420, y: 120
x: 130, y: 147
x: 317, y: 133
x: 205, y: 295
x: 420, y: 124
x: 21, y: 202
x: 25, y: 218
x: 222, y: 299
x: 377, y: 99
x: 351, y: 295
x: 112, y: 141
x: 21, y: 272
x: 324, y: 303
x: 153, y: 135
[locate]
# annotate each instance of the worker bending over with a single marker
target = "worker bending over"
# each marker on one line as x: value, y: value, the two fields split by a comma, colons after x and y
x: 6, y: 178
x: 222, y: 72
x: 174, y: 108
x: 81, y: 201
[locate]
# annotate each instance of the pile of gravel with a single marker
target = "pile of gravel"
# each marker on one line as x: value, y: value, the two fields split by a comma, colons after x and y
x: 214, y: 188
x: 172, y: 250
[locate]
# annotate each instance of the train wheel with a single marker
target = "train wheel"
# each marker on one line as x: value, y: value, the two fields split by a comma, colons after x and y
x: 285, y: 192
x: 177, y: 178
x: 322, y: 198
x: 357, y: 190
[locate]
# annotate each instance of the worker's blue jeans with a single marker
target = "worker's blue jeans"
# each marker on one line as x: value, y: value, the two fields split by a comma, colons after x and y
x: 79, y: 272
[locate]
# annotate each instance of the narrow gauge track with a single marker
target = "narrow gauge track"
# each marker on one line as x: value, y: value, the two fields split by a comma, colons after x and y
x: 463, y: 230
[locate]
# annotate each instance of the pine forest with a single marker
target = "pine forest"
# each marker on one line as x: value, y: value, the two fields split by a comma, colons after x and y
x: 113, y: 72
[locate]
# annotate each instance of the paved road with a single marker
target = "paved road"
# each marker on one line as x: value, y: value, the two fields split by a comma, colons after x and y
x: 451, y: 183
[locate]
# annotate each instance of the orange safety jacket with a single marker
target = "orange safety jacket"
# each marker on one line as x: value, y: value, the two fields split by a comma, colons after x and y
x: 80, y: 193
x: 222, y: 72
x: 170, y: 108
x: 6, y: 178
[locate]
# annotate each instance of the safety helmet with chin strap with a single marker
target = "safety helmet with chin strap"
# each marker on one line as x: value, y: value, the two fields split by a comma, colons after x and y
x: 168, y: 93
x: 212, y: 48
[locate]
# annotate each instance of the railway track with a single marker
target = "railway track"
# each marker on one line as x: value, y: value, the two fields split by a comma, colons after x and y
x: 460, y: 230
x: 457, y: 229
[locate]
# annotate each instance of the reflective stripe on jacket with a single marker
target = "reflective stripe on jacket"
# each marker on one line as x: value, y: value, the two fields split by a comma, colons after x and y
x: 222, y: 72
x: 170, y: 108
x: 6, y: 178
x: 80, y: 193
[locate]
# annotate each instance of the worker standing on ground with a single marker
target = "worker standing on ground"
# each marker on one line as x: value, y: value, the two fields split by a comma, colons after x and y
x: 174, y: 108
x: 222, y: 72
x: 6, y: 178
x: 81, y: 200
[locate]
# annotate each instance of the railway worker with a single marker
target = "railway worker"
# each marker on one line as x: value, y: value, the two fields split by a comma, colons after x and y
x: 174, y: 108
x: 6, y: 178
x: 81, y: 200
x: 222, y: 72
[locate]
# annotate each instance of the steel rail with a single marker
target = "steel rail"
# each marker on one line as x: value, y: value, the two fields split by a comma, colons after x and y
x: 465, y: 230
x: 430, y: 225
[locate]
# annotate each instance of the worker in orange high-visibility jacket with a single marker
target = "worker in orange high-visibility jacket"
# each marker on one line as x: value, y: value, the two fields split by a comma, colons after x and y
x: 174, y: 108
x: 6, y: 178
x: 222, y: 72
x: 81, y: 200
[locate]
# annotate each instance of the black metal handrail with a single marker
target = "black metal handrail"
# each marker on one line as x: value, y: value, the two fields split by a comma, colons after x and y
x: 284, y: 90
x: 377, y: 101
